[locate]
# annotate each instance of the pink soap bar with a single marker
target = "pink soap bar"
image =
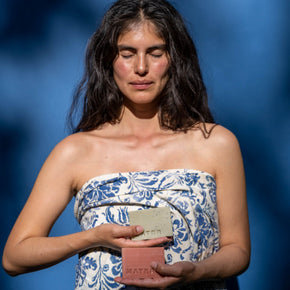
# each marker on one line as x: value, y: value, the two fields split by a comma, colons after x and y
x: 136, y: 262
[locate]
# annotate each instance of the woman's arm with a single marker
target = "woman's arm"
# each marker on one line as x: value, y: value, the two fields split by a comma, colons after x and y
x: 29, y: 248
x: 234, y: 254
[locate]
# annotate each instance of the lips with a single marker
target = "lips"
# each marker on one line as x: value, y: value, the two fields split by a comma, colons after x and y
x: 141, y: 85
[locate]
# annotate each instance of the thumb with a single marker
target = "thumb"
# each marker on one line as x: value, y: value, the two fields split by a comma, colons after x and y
x: 164, y: 269
x: 131, y: 231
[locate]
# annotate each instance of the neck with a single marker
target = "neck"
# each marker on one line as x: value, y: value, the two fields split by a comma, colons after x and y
x: 139, y: 121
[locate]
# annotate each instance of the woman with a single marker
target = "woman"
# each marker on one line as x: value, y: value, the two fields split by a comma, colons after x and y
x: 146, y: 138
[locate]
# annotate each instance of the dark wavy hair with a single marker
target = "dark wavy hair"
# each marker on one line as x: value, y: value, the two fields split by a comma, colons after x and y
x: 183, y: 102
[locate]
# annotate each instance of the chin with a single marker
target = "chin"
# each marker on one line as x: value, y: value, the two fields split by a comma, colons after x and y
x: 141, y: 100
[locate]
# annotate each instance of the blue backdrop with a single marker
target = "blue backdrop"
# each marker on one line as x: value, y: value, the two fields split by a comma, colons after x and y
x: 244, y: 55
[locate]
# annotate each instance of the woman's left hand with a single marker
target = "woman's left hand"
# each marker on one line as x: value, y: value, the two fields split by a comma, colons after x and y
x: 177, y: 274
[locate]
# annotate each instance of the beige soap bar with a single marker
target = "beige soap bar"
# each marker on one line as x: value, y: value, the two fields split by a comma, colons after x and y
x: 156, y: 222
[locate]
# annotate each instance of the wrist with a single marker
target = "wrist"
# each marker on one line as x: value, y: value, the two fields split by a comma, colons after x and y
x: 92, y: 237
x: 198, y: 272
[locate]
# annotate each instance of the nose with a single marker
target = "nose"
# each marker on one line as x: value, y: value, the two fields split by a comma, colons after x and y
x: 141, y: 65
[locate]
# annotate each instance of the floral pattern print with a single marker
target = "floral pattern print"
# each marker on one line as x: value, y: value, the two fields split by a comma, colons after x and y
x: 191, y: 196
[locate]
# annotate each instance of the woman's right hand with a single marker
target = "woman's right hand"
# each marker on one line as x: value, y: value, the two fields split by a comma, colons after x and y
x: 117, y: 237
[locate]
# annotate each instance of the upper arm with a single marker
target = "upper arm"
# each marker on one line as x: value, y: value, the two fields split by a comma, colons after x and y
x: 52, y: 191
x: 231, y: 190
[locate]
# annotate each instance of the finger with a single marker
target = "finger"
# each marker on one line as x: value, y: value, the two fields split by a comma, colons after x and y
x: 152, y: 242
x: 126, y: 243
x: 160, y: 283
x: 128, y: 231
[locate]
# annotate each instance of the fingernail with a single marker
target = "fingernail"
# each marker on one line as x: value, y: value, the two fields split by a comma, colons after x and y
x: 139, y: 229
x: 153, y: 265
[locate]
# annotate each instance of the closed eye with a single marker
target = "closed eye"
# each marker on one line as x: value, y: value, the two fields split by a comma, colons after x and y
x: 126, y: 51
x: 126, y: 56
x: 156, y: 55
x: 156, y: 52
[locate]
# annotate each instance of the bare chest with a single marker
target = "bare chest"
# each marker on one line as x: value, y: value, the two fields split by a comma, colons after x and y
x: 133, y: 154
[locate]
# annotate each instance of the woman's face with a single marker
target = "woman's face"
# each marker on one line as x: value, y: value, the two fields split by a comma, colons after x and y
x: 141, y: 66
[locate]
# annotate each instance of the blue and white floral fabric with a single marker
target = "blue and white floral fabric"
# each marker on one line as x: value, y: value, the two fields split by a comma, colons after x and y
x: 191, y: 196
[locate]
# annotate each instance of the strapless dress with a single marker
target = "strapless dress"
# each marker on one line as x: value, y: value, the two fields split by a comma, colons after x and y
x: 191, y: 197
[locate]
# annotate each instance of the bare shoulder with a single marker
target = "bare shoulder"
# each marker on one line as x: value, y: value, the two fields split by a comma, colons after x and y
x: 225, y: 151
x: 221, y: 137
x: 216, y: 144
x: 71, y: 147
x: 62, y: 164
x: 213, y: 136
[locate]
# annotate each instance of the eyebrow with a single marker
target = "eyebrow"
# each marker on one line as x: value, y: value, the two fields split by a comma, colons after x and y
x: 151, y: 48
